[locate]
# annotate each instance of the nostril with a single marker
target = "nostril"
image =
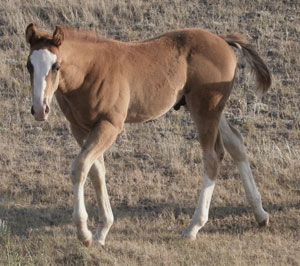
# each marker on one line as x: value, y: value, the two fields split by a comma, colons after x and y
x: 32, y: 110
x: 47, y: 109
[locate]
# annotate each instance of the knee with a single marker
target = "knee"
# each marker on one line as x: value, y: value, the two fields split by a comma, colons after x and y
x: 77, y: 172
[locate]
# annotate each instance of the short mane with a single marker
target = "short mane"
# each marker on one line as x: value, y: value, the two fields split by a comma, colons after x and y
x: 77, y: 34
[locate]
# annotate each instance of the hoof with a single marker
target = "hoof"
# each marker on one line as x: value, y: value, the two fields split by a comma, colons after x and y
x: 189, y: 237
x: 264, y: 222
x: 98, y: 241
x: 88, y: 243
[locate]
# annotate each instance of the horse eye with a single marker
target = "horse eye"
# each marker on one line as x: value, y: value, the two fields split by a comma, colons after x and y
x: 29, y: 66
x: 55, y: 67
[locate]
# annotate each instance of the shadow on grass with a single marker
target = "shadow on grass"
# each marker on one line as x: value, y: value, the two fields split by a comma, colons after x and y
x: 219, y: 212
x: 20, y: 219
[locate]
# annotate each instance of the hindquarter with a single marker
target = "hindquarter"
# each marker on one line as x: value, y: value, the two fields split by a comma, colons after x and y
x: 210, y: 75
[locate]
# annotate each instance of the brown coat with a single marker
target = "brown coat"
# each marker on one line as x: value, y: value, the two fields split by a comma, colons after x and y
x: 100, y: 84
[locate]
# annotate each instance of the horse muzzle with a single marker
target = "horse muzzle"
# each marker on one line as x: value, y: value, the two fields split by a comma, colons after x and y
x: 40, y: 114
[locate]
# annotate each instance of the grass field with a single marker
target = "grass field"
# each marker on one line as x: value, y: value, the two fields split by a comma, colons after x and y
x: 154, y: 170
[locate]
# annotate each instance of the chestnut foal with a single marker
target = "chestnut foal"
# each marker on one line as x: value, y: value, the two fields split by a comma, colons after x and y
x: 100, y: 84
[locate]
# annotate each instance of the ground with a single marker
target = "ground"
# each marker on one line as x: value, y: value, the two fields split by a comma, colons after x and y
x: 154, y: 170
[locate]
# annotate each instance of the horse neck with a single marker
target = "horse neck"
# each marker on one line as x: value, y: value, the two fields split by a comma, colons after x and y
x: 79, y: 59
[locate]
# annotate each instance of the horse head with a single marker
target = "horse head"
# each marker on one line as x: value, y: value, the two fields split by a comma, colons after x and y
x: 43, y: 64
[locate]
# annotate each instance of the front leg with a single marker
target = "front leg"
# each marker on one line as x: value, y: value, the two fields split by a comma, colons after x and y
x: 97, y: 174
x: 106, y: 217
x: 97, y: 142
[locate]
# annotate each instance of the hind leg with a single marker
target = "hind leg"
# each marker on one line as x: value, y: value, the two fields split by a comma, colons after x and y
x: 234, y: 145
x: 213, y: 153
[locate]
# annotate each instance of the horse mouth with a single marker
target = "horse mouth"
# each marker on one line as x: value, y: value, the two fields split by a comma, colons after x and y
x: 40, y: 119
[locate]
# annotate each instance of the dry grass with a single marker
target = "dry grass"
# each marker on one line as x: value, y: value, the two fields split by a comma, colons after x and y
x: 154, y: 170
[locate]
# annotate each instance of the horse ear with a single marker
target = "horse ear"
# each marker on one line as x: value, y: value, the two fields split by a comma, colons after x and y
x: 31, y: 33
x: 58, y: 36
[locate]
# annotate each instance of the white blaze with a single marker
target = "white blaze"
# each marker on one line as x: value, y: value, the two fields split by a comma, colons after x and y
x: 42, y: 61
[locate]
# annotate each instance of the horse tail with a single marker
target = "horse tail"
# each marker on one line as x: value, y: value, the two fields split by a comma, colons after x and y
x: 258, y: 66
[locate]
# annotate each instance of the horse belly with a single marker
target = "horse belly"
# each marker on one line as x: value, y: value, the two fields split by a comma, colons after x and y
x: 148, y: 106
x: 157, y: 87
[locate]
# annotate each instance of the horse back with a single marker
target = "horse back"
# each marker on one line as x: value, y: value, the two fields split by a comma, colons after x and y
x: 161, y: 70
